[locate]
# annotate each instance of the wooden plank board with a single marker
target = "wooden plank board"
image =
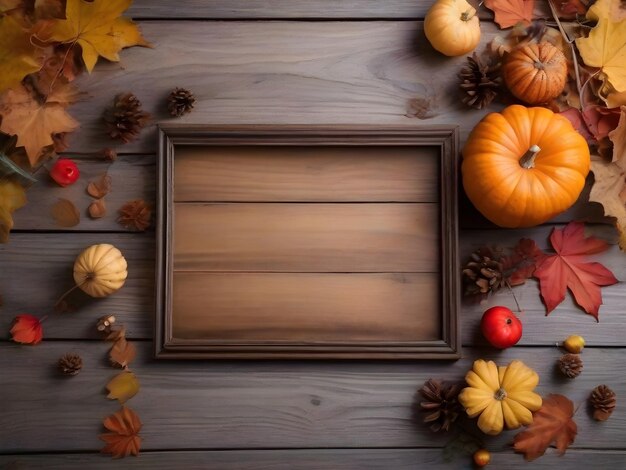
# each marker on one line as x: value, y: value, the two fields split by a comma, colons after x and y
x: 290, y: 9
x: 132, y: 176
x: 291, y: 72
x: 318, y: 459
x: 38, y: 275
x: 306, y: 308
x: 306, y: 237
x: 306, y: 174
x: 264, y: 404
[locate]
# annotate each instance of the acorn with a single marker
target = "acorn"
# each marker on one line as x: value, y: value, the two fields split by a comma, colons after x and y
x: 574, y: 344
x: 482, y: 457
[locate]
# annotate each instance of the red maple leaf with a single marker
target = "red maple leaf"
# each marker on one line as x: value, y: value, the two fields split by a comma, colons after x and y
x: 510, y: 12
x: 521, y: 264
x: 568, y: 269
x: 26, y: 329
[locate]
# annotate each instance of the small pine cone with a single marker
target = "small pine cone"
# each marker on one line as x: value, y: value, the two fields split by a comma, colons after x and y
x: 135, y: 215
x: 441, y: 403
x: 483, y: 273
x: 104, y: 323
x: 125, y: 119
x: 70, y: 364
x: 480, y: 82
x: 603, y: 401
x: 180, y: 101
x: 571, y: 365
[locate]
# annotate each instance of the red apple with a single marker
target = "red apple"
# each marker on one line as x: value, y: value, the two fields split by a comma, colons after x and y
x: 501, y: 327
x: 64, y: 172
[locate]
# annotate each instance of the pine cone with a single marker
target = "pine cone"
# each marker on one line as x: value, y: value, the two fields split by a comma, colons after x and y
x: 180, y: 101
x: 125, y: 119
x: 603, y: 401
x: 483, y: 273
x: 440, y: 400
x: 480, y: 82
x: 571, y: 365
x: 135, y: 215
x: 70, y: 364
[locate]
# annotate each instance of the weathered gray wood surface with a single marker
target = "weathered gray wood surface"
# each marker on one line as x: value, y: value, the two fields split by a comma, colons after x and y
x: 319, y: 459
x: 308, y: 72
x: 205, y: 405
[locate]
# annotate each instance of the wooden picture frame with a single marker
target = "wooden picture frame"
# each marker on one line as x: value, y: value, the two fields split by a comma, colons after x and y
x: 377, y: 277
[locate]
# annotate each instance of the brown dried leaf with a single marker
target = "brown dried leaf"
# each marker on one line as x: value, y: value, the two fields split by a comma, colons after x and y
x: 122, y: 353
x: 97, y: 209
x: 100, y: 187
x: 116, y: 333
x: 135, y: 215
x: 123, y: 438
x: 551, y: 423
x: 65, y: 213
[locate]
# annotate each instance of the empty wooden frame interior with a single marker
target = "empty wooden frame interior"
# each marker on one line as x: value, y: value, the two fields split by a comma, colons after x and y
x: 301, y: 250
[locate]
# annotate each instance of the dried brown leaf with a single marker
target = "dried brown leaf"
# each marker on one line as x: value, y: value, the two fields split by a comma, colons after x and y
x: 135, y: 215
x: 123, y: 439
x: 97, y: 209
x: 116, y: 333
x: 65, y: 213
x: 100, y: 187
x: 122, y: 353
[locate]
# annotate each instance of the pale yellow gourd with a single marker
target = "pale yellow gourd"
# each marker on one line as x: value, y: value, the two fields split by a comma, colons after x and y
x: 500, y: 395
x: 452, y: 27
x: 100, y: 270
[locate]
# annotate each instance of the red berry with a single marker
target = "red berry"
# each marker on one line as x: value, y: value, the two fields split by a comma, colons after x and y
x: 501, y: 327
x: 65, y: 172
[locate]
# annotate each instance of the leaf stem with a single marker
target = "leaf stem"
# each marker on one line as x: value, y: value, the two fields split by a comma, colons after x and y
x: 508, y: 285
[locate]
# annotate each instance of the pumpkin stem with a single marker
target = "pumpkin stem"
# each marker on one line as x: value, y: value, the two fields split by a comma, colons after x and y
x: 528, y: 159
x: 466, y: 15
x: 500, y: 394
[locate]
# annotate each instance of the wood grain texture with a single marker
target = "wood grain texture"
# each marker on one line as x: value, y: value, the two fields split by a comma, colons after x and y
x: 306, y: 174
x: 39, y: 275
x: 306, y: 308
x: 289, y: 9
x: 208, y: 405
x: 306, y: 237
x: 315, y: 459
x: 132, y: 177
x: 286, y: 73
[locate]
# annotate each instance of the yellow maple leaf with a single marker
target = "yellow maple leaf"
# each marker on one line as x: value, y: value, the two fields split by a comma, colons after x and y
x: 609, y: 187
x: 98, y: 29
x: 12, y: 197
x: 17, y: 55
x: 605, y: 48
x: 33, y: 122
x: 123, y: 387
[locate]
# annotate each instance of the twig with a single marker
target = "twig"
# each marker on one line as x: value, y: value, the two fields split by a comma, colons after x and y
x: 519, y: 309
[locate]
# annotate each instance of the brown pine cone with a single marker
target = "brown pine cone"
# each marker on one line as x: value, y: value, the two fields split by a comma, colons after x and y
x: 571, y: 365
x: 180, y: 101
x: 483, y: 273
x: 135, y: 215
x: 480, y: 82
x: 70, y: 364
x: 603, y: 401
x: 125, y: 119
x: 441, y: 403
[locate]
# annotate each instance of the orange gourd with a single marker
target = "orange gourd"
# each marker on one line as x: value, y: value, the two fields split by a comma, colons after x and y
x: 452, y: 27
x: 535, y: 73
x: 523, y: 166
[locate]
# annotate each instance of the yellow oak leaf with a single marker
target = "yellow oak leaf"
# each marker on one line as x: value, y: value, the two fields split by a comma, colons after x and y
x: 609, y: 187
x: 98, y: 29
x: 12, y: 197
x: 123, y: 387
x: 18, y: 56
x: 32, y: 122
x: 605, y: 48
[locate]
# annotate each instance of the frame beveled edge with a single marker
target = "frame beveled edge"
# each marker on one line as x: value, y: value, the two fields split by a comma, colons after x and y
x: 446, y: 137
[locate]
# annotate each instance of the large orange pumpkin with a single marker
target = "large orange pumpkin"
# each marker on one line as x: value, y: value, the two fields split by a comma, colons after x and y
x: 535, y: 73
x: 523, y: 166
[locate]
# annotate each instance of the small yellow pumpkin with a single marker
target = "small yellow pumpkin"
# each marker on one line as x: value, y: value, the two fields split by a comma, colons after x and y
x: 452, y: 27
x: 100, y: 270
x: 500, y: 395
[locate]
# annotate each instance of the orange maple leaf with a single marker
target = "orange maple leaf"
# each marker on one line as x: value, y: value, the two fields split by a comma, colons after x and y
x: 510, y: 12
x: 33, y: 122
x: 551, y: 423
x: 26, y: 329
x: 97, y: 27
x: 18, y: 56
x: 123, y: 440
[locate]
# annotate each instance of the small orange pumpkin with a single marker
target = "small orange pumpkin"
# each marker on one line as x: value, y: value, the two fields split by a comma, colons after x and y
x: 452, y: 27
x: 523, y: 166
x: 535, y: 73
